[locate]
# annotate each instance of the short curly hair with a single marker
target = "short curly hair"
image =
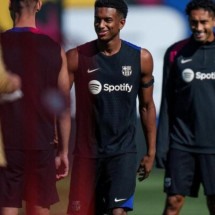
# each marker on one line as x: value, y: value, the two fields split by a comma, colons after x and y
x: 208, y: 5
x: 119, y: 5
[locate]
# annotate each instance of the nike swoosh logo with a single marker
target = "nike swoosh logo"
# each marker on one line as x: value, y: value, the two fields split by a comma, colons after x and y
x: 118, y: 200
x: 185, y: 60
x: 92, y: 70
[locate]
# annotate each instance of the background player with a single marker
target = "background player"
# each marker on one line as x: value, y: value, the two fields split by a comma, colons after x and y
x: 187, y: 119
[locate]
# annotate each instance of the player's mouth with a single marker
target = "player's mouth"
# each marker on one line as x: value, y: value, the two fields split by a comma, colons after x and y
x: 199, y: 35
x: 102, y: 33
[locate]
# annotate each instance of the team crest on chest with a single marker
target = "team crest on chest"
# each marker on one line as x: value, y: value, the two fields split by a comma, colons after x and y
x: 126, y: 70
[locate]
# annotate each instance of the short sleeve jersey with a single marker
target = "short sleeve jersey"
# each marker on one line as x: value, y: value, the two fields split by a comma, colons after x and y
x: 106, y: 93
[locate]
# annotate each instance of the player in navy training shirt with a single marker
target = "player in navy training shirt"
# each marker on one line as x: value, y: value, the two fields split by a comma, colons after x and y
x: 187, y: 119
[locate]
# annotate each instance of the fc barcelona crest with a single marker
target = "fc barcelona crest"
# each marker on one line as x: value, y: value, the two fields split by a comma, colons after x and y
x: 126, y: 70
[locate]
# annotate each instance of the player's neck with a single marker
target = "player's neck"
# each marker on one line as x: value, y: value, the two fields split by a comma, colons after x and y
x: 109, y: 48
x: 25, y: 21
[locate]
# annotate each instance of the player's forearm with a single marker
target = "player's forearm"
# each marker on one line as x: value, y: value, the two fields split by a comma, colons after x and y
x: 4, y: 80
x: 5, y: 85
x: 148, y: 119
x: 65, y: 128
x: 8, y: 82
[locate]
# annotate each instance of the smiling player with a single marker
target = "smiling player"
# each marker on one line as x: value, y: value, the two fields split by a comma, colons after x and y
x: 187, y: 119
x: 109, y: 74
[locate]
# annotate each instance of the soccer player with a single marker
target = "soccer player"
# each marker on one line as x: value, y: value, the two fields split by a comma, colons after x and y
x: 28, y: 124
x: 187, y: 118
x: 109, y: 73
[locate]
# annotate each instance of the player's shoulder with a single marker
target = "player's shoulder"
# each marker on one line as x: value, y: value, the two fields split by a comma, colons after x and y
x: 130, y: 45
x: 177, y: 46
x: 47, y: 39
x: 88, y: 49
x: 175, y: 49
x: 30, y: 34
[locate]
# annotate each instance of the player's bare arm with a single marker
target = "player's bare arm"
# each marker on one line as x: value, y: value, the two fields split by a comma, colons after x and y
x: 62, y: 161
x: 147, y: 113
x: 72, y: 60
x: 8, y: 82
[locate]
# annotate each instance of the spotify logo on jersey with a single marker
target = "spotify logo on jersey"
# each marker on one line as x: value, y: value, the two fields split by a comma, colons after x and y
x: 188, y: 75
x: 95, y: 87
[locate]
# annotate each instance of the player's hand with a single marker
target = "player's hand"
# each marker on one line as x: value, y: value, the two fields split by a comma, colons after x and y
x: 11, y: 97
x: 13, y: 92
x: 62, y: 166
x: 141, y: 173
x: 15, y: 81
x: 145, y: 167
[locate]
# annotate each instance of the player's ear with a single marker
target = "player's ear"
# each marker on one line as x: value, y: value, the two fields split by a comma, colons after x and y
x: 214, y: 21
x: 122, y: 23
x: 39, y: 5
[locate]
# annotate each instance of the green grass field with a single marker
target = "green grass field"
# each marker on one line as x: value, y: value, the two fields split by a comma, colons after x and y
x: 149, y: 198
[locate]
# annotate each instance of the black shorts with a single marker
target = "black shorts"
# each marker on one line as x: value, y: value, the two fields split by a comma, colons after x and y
x: 186, y: 171
x: 99, y: 185
x: 30, y: 176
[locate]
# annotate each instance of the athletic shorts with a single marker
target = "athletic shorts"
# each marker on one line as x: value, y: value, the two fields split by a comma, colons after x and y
x: 30, y: 176
x: 185, y: 172
x: 99, y: 185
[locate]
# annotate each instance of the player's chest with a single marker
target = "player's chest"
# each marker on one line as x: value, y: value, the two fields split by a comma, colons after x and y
x: 199, y: 67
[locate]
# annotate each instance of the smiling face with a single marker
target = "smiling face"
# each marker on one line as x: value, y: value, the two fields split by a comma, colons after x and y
x: 202, y: 23
x: 108, y: 23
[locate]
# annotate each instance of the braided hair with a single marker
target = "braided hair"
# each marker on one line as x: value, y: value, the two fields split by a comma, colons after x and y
x: 119, y: 5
